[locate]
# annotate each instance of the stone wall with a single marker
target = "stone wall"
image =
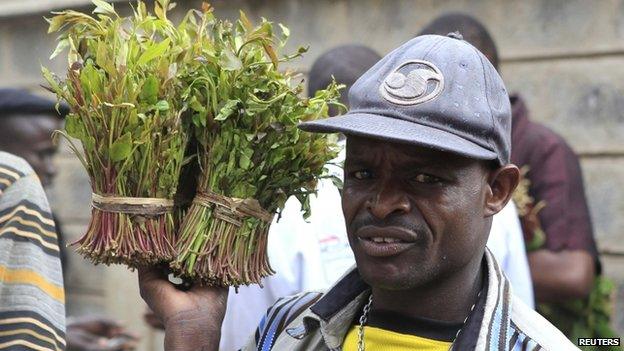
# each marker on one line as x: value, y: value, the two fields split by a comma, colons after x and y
x: 564, y: 56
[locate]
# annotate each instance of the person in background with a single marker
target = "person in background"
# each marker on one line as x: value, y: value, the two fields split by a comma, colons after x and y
x: 555, y: 218
x: 306, y: 254
x: 32, y: 297
x: 27, y: 122
x: 26, y: 130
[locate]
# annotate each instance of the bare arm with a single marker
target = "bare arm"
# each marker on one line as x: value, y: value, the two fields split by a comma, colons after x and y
x: 563, y: 275
x: 192, y: 319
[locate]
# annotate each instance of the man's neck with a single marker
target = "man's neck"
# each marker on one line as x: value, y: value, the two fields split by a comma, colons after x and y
x: 448, y: 300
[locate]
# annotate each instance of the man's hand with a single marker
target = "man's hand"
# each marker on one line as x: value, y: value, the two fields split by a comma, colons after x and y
x: 192, y: 319
x: 98, y: 334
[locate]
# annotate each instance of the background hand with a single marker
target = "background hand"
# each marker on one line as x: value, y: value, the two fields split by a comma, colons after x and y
x: 95, y: 333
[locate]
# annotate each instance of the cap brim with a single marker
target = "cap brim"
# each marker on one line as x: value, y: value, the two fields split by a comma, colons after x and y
x: 398, y: 130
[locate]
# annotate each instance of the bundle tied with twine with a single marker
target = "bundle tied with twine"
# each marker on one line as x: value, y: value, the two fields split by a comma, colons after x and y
x: 123, y: 86
x: 130, y: 230
x: 252, y: 156
x: 230, y: 223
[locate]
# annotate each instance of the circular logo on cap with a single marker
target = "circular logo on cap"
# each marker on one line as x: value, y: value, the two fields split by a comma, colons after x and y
x: 412, y: 83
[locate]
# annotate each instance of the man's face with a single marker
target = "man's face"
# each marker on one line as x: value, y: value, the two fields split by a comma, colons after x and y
x: 413, y: 214
x: 29, y: 137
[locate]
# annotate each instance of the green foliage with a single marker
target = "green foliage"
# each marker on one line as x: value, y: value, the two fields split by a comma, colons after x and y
x: 138, y: 86
x: 585, y: 318
x: 246, y: 112
x: 124, y: 87
x: 122, y: 148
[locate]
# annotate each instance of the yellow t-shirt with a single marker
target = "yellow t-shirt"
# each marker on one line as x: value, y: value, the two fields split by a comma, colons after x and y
x: 377, y: 339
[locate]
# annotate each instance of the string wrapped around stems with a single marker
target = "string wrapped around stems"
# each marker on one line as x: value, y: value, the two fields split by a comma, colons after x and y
x: 230, y: 247
x: 129, y: 230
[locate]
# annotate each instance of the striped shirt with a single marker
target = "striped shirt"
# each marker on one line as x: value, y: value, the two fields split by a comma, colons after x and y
x: 316, y: 321
x: 32, y: 299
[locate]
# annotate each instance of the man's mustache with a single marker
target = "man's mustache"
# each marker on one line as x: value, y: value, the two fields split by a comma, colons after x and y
x: 392, y: 221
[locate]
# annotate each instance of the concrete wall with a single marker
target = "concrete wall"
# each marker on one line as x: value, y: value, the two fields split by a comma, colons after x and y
x: 564, y: 56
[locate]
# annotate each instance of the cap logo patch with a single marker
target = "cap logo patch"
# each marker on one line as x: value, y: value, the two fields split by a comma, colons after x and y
x: 412, y: 83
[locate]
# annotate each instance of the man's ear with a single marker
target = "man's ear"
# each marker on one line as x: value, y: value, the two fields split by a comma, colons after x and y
x: 502, y: 182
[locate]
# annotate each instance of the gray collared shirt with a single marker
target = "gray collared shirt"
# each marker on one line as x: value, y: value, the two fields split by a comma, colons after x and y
x: 316, y: 321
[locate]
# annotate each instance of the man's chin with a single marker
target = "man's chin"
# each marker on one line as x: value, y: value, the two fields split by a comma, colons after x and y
x: 387, y: 277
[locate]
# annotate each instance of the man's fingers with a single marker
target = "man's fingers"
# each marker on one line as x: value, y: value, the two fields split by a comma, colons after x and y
x: 152, y: 281
x: 149, y: 274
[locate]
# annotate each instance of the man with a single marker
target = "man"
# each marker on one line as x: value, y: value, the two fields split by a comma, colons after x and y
x: 27, y: 122
x: 427, y: 166
x: 32, y: 298
x: 563, y: 267
x: 312, y: 254
x: 26, y: 125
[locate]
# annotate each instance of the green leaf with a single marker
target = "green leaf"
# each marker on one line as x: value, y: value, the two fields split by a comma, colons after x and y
x: 245, y: 21
x: 162, y: 105
x: 90, y: 80
x: 285, y: 30
x: 244, y: 162
x: 227, y: 110
x: 133, y: 119
x: 74, y: 127
x: 229, y: 61
x: 88, y: 144
x: 337, y: 181
x: 121, y: 59
x: 149, y: 92
x: 62, y: 45
x: 103, y: 7
x: 56, y: 23
x: 121, y: 148
x: 153, y: 52
x: 198, y: 120
x: 49, y: 77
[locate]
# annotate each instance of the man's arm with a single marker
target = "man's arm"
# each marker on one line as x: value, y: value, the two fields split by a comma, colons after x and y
x: 561, y: 275
x: 192, y: 319
x: 566, y: 266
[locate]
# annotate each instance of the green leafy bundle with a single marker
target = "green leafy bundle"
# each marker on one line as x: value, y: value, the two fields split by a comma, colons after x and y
x: 123, y: 86
x: 585, y: 318
x: 252, y: 156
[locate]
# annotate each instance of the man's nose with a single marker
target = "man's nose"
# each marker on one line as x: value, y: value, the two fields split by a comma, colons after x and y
x: 389, y: 199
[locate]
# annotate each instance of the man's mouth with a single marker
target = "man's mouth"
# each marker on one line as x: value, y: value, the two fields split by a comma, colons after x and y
x: 381, y: 239
x: 385, y: 241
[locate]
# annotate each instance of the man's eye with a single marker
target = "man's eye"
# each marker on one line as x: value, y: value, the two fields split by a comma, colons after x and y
x: 363, y: 174
x: 427, y: 179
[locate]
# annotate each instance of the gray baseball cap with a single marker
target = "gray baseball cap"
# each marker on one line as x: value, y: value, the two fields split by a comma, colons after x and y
x: 433, y: 91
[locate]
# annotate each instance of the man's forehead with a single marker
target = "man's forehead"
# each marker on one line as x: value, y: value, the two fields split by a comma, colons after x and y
x: 22, y: 128
x: 37, y: 120
x: 363, y: 148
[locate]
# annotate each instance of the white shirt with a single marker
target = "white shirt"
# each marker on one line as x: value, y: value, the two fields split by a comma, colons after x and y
x: 313, y: 255
x: 506, y: 243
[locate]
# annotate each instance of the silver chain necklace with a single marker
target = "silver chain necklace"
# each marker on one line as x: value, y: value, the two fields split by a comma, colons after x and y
x: 366, y: 312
